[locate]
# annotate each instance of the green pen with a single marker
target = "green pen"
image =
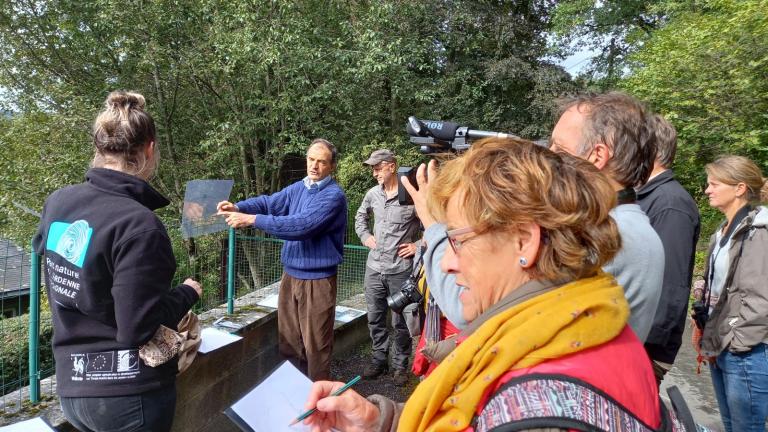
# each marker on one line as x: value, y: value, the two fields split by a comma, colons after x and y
x: 344, y: 388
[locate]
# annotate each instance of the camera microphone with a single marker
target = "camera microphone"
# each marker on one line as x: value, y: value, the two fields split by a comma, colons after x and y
x: 434, y: 136
x: 439, y: 130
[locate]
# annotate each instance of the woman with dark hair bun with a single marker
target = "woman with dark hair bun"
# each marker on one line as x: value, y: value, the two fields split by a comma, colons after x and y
x: 109, y: 266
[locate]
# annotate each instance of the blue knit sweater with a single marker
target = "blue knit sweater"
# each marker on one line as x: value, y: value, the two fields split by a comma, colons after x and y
x: 312, y: 221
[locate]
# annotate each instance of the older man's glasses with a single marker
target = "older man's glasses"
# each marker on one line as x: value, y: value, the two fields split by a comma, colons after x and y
x: 455, y: 243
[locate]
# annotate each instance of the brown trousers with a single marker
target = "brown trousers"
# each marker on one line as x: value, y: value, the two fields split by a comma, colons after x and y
x: 305, y: 316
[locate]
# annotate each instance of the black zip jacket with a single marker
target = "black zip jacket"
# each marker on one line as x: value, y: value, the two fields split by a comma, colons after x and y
x: 108, y: 266
x: 675, y: 218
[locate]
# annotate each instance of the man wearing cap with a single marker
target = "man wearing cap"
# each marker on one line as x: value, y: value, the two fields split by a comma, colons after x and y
x: 390, y: 259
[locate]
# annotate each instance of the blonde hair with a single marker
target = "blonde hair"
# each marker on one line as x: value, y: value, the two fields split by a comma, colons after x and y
x: 505, y: 182
x: 732, y: 170
x: 121, y: 132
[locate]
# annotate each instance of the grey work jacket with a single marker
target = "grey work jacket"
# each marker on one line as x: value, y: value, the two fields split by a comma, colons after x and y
x: 394, y: 224
x: 739, y: 320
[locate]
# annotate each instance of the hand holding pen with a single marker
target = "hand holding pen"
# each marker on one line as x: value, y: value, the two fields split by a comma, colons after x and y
x: 347, y: 411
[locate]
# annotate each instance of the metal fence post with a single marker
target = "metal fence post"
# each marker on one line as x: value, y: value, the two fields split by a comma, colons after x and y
x: 34, y: 327
x: 231, y: 273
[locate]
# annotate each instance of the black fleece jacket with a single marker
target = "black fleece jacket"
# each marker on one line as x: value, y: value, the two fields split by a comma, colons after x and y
x: 675, y: 217
x: 109, y: 265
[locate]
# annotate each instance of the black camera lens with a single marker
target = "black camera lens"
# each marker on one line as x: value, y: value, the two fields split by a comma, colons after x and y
x: 409, y: 293
x: 397, y: 301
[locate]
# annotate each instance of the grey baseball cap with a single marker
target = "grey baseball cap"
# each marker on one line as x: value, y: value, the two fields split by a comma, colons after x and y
x: 381, y: 155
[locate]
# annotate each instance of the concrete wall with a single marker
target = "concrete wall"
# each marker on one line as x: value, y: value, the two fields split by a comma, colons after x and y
x: 217, y: 379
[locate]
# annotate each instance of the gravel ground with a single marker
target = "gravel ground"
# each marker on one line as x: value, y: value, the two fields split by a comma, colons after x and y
x: 353, y: 364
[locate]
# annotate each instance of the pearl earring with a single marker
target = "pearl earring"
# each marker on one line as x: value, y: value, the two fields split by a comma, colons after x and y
x: 523, y: 261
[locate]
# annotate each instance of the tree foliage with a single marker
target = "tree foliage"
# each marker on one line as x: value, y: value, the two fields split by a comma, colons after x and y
x: 14, y: 350
x: 238, y: 89
x: 611, y: 28
x: 707, y: 72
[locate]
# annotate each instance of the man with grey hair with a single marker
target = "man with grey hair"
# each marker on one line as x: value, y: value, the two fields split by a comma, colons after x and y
x: 675, y: 217
x: 391, y: 244
x: 311, y: 216
x: 611, y: 131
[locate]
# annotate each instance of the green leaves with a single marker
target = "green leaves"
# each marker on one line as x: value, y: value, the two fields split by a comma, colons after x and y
x: 706, y: 71
x: 238, y: 89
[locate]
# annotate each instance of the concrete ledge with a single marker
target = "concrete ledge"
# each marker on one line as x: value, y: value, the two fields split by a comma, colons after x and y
x: 216, y: 380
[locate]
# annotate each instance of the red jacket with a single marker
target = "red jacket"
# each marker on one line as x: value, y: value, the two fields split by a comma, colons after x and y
x: 421, y: 365
x: 620, y: 368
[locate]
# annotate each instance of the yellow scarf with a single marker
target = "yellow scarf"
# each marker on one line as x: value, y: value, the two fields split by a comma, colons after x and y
x: 574, y: 317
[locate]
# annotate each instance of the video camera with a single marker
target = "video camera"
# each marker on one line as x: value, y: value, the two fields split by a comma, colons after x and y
x: 433, y: 136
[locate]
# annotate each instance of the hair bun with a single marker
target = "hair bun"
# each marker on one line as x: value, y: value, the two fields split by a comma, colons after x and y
x: 123, y: 127
x: 123, y: 99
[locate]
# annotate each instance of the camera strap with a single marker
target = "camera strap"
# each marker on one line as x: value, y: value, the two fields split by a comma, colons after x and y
x: 418, y: 261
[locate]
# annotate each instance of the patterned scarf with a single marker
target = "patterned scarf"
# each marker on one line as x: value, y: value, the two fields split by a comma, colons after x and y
x: 574, y: 317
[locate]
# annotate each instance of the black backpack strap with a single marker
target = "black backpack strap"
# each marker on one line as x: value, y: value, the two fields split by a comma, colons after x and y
x: 680, y: 410
x: 558, y: 401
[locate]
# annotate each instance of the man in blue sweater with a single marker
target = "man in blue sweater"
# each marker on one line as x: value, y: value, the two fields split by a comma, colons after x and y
x: 311, y: 216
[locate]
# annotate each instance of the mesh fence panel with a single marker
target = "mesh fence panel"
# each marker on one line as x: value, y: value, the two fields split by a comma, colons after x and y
x: 203, y: 259
x: 258, y: 269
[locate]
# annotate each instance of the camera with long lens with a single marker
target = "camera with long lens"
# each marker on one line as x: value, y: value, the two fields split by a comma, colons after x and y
x: 700, y: 314
x: 433, y: 136
x: 409, y: 293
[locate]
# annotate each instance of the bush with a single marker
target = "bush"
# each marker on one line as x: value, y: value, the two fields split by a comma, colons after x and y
x: 14, y: 352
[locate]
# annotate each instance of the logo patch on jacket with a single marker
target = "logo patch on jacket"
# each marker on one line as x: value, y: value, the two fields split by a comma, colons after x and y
x: 70, y: 240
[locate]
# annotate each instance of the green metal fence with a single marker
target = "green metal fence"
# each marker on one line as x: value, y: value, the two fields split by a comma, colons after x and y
x: 254, y: 269
x: 17, y: 338
x: 258, y: 268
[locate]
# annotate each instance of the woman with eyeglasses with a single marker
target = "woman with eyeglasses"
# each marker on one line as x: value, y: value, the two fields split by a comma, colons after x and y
x: 736, y: 333
x: 547, y: 343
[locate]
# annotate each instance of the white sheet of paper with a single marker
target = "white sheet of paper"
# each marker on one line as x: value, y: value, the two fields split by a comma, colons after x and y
x: 269, y: 301
x: 346, y: 314
x: 32, y: 425
x: 343, y: 314
x: 214, y: 339
x: 276, y: 402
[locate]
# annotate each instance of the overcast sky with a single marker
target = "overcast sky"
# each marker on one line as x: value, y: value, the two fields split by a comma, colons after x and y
x: 576, y: 63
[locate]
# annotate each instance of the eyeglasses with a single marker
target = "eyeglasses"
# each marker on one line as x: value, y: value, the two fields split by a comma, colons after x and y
x: 455, y: 243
